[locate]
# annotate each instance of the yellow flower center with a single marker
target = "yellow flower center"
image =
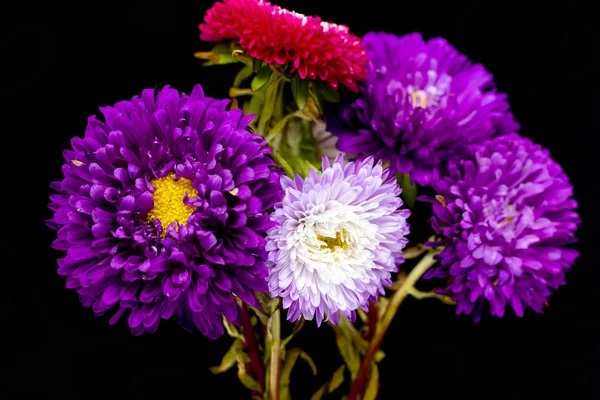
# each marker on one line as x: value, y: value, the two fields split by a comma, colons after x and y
x: 340, y: 240
x: 168, y: 201
x: 419, y: 99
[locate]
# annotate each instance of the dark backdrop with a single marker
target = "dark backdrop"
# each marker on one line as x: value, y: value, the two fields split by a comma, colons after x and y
x: 60, y: 62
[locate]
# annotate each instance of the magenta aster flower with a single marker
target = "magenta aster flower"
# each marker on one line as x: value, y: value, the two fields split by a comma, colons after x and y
x: 421, y: 105
x: 339, y: 236
x: 314, y: 48
x: 162, y: 211
x: 505, y: 214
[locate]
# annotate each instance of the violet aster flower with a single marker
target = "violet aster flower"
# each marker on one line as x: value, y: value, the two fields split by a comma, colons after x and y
x: 162, y: 211
x: 504, y: 213
x: 421, y: 105
x: 338, y: 238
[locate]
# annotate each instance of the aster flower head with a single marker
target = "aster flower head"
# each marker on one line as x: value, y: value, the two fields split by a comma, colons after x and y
x: 421, y: 105
x: 504, y: 214
x: 315, y: 48
x: 162, y: 211
x: 339, y: 236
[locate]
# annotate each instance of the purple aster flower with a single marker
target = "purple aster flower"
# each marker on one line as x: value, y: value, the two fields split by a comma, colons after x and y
x: 504, y: 214
x: 338, y: 238
x: 162, y: 211
x: 421, y: 105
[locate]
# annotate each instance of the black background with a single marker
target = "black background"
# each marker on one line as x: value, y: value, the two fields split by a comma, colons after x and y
x: 60, y: 62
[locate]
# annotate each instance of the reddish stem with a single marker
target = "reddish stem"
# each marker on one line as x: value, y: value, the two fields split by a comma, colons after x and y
x: 372, y: 320
x: 364, y: 373
x: 250, y: 341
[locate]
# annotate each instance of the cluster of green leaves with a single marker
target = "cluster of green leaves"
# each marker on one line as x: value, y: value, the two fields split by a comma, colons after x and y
x: 286, y: 106
x: 263, y: 320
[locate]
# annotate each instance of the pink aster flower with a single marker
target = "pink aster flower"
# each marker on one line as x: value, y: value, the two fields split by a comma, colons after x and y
x: 314, y: 48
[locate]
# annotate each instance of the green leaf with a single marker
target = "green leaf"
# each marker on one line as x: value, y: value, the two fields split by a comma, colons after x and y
x: 261, y: 78
x: 303, y: 168
x: 284, y: 164
x: 231, y: 329
x: 363, y: 316
x: 309, y: 361
x: 290, y: 360
x: 318, y: 395
x: 300, y: 91
x: 328, y: 387
x: 373, y: 385
x: 348, y: 352
x: 328, y: 93
x: 243, y: 376
x: 409, y: 190
x: 310, y: 166
x: 286, y: 371
x: 242, y: 75
x: 229, y: 359
x: 297, y: 326
x: 222, y: 48
x: 280, y: 125
x: 337, y: 379
x: 379, y: 356
x: 256, y: 64
x: 269, y: 105
x: 264, y: 318
x: 353, y: 334
x: 220, y: 54
x: 313, y: 110
x: 255, y: 104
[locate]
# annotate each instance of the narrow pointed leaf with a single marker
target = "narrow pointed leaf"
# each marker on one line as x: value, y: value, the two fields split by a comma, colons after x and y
x: 264, y: 318
x: 373, y: 385
x: 255, y: 104
x: 329, y: 94
x: 297, y: 326
x: 300, y: 91
x: 348, y: 352
x: 246, y: 379
x: 303, y: 168
x: 284, y: 164
x: 290, y: 360
x: 278, y: 127
x: 229, y: 359
x: 256, y: 64
x: 309, y: 361
x: 231, y: 329
x: 261, y: 78
x: 336, y: 380
x: 309, y: 165
x: 242, y: 75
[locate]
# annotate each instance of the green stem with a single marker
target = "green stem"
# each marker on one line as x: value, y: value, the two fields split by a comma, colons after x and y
x: 419, y: 295
x: 362, y: 377
x: 275, y: 355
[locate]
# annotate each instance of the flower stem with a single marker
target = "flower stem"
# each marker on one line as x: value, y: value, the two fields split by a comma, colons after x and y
x: 417, y: 294
x: 362, y: 377
x: 275, y: 355
x: 252, y: 346
x: 373, y: 317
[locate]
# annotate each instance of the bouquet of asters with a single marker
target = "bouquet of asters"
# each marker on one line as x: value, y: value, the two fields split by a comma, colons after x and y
x: 290, y: 202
